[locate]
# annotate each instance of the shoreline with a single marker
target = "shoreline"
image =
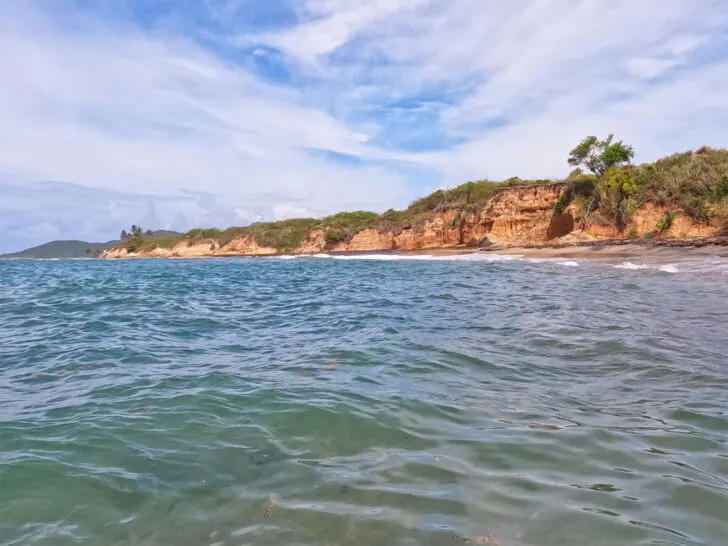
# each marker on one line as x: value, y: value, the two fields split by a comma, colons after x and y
x: 620, y: 248
x: 652, y: 249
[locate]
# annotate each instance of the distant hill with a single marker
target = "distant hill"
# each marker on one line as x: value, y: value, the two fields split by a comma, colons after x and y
x: 72, y: 249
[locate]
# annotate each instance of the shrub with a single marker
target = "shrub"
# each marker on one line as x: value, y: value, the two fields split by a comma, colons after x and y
x: 342, y: 227
x: 564, y: 201
x: 285, y: 235
x: 579, y: 186
x: 209, y: 233
x: 691, y: 181
x: 663, y: 225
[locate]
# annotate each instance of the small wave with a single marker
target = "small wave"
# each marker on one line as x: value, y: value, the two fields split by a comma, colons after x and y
x: 630, y: 265
x: 667, y: 268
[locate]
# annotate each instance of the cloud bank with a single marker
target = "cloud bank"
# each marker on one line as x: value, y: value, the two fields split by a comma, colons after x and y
x: 226, y: 112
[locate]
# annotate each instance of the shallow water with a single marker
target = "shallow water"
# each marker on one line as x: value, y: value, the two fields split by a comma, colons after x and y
x: 434, y: 401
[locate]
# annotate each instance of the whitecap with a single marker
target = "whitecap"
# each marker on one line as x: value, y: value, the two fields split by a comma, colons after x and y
x: 630, y: 265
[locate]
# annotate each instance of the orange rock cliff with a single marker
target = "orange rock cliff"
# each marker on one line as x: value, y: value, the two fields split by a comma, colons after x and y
x: 516, y: 215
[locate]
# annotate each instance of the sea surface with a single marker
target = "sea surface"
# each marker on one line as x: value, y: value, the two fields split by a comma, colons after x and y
x: 375, y: 400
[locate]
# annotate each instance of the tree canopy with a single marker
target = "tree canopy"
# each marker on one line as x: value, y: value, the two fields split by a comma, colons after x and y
x: 600, y: 155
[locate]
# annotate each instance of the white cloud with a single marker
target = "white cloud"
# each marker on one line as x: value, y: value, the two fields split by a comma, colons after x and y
x: 116, y: 108
x: 485, y: 88
x: 331, y: 24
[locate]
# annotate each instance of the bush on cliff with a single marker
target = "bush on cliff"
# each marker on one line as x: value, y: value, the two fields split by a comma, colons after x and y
x: 341, y: 228
x: 697, y: 182
x: 580, y: 187
x: 209, y: 233
x: 285, y: 235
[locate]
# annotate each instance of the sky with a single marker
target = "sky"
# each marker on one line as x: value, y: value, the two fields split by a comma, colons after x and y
x: 176, y: 114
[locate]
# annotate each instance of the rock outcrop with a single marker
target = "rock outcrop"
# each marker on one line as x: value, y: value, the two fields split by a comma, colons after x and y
x: 442, y: 230
x: 370, y: 239
x: 525, y: 214
x: 116, y: 252
x: 194, y: 248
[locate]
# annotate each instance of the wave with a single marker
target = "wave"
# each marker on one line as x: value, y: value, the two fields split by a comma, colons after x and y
x: 630, y: 265
x: 411, y: 257
x: 699, y: 265
x: 665, y: 268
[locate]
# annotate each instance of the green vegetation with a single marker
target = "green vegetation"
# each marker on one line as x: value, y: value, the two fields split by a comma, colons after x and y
x: 580, y: 188
x: 210, y: 233
x: 600, y: 155
x: 136, y: 239
x: 664, y: 224
x: 285, y: 235
x: 340, y: 228
x: 695, y: 183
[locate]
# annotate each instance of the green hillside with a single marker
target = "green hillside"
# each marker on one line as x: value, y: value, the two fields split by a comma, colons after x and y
x: 72, y: 249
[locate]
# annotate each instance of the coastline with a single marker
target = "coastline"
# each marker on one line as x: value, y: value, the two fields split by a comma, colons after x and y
x: 654, y: 250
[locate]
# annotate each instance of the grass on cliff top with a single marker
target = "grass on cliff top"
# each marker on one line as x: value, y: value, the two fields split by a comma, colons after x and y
x: 696, y: 182
x: 286, y: 235
x: 146, y: 244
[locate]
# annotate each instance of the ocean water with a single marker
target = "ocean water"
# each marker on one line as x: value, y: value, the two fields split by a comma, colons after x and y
x: 364, y: 401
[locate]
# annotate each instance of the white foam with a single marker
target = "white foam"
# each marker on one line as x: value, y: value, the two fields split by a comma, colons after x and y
x: 430, y: 258
x: 715, y: 266
x: 630, y: 265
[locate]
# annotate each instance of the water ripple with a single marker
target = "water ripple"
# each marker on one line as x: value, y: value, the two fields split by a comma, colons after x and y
x: 357, y: 401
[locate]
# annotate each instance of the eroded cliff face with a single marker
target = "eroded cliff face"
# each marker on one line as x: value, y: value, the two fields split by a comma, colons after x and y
x: 245, y: 246
x: 646, y: 221
x: 525, y: 214
x: 114, y: 253
x: 517, y: 215
x: 315, y: 243
x: 442, y: 230
x: 368, y: 239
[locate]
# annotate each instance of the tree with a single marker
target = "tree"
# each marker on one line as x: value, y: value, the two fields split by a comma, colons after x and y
x: 618, y: 187
x: 135, y: 232
x: 600, y: 155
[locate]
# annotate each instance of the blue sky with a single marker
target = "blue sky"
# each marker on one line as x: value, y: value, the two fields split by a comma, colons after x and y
x: 181, y: 113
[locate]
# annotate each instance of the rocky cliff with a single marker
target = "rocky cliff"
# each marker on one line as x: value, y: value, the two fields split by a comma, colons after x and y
x: 515, y: 215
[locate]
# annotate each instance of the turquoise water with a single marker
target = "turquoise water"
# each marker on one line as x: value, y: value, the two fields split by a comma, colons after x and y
x: 363, y: 402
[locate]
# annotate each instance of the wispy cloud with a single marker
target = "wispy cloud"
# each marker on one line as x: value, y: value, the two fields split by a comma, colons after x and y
x: 297, y: 107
